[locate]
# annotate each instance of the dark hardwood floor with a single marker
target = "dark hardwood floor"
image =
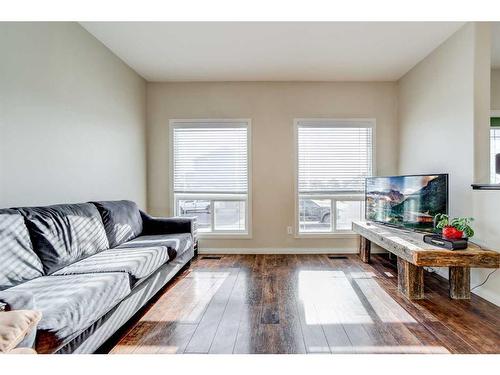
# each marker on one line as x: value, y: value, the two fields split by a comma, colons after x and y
x: 305, y: 304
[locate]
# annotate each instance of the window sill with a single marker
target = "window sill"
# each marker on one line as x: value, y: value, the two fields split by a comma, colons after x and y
x: 224, y: 236
x: 326, y: 235
x: 485, y: 186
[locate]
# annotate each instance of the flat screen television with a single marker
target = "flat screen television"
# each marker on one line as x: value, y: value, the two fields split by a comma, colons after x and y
x: 409, y: 201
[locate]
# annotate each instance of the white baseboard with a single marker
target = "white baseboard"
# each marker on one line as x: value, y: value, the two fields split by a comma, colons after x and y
x: 488, y: 295
x: 281, y: 250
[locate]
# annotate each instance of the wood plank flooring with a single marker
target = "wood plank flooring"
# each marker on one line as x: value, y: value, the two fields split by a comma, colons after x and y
x: 305, y: 304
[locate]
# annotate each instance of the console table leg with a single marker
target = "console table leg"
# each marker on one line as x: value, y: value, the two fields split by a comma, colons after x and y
x: 410, y: 279
x: 459, y: 282
x: 364, y: 249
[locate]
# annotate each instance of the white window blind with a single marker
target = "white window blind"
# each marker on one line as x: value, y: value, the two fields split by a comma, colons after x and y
x: 210, y: 158
x: 334, y: 156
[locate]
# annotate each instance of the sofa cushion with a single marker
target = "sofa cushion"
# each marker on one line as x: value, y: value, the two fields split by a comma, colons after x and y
x: 18, y: 261
x: 15, y: 326
x: 63, y: 234
x: 71, y: 303
x: 177, y: 243
x: 122, y: 220
x: 137, y: 262
x: 17, y: 300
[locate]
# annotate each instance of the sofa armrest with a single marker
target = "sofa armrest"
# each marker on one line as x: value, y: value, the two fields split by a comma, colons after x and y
x: 169, y: 225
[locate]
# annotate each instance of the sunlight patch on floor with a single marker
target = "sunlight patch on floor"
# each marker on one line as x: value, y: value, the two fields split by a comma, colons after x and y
x: 208, y: 274
x: 387, y: 310
x: 187, y: 300
x: 362, y: 275
x: 400, y: 349
x: 323, y: 297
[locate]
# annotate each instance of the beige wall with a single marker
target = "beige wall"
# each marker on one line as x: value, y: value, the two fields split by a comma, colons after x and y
x: 487, y: 216
x: 482, y: 105
x: 443, y: 127
x: 495, y: 89
x: 272, y: 108
x: 72, y: 118
x: 435, y: 110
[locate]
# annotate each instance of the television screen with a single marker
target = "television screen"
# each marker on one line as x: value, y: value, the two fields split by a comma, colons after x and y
x: 406, y: 201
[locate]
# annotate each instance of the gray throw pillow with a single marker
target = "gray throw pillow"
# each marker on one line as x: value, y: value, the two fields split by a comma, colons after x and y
x: 62, y: 234
x: 122, y: 220
x: 18, y: 261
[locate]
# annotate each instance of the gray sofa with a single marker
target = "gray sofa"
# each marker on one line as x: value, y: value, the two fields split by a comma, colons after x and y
x: 87, y: 267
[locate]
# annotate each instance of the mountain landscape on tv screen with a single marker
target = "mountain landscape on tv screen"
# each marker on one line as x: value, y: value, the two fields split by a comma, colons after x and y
x: 412, y: 201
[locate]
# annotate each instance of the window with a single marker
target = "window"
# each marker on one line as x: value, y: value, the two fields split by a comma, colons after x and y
x: 333, y: 159
x: 211, y: 173
x: 494, y: 148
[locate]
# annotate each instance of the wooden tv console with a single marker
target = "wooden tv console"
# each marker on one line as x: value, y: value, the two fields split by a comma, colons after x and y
x: 414, y: 254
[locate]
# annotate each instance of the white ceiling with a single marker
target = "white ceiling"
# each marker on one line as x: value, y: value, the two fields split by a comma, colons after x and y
x: 272, y: 51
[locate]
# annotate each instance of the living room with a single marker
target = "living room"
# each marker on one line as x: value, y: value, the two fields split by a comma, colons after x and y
x: 249, y: 187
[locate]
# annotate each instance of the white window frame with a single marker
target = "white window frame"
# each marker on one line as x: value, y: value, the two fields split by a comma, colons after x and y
x: 494, y: 113
x: 201, y: 123
x: 493, y: 175
x: 346, y: 122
